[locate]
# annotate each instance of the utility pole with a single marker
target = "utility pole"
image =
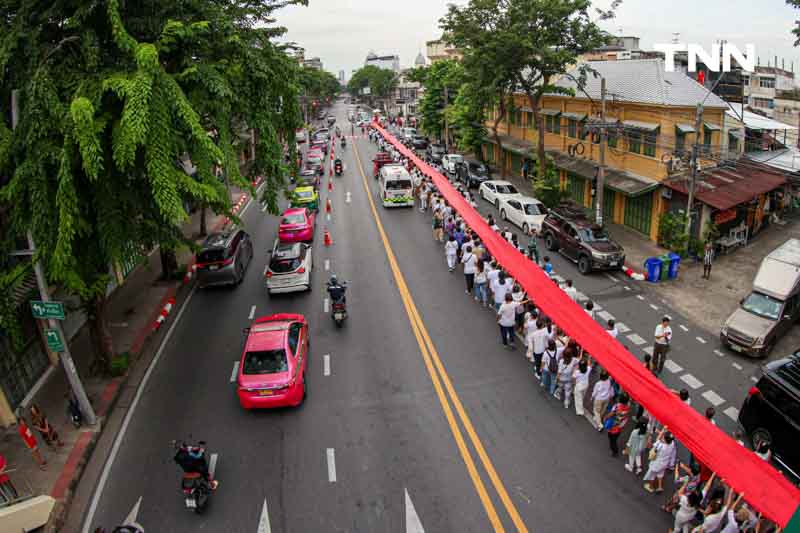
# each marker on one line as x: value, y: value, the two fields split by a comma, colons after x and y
x: 698, y: 127
x: 601, y: 169
x: 65, y: 355
x: 446, y: 129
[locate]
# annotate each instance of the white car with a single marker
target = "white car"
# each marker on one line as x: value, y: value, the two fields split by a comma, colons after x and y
x: 449, y: 162
x: 289, y: 267
x: 524, y: 212
x: 494, y: 190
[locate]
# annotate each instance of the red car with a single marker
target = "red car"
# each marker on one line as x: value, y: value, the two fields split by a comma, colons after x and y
x: 272, y: 372
x: 297, y: 225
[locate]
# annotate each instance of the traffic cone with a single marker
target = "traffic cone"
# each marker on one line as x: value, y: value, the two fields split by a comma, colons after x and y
x: 328, y: 206
x: 327, y: 239
x: 330, y: 169
x: 330, y: 185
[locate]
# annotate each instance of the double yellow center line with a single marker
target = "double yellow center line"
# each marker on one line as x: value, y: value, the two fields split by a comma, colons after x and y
x: 444, y: 389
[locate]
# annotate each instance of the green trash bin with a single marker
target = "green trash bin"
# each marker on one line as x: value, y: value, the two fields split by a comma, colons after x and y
x: 665, y: 261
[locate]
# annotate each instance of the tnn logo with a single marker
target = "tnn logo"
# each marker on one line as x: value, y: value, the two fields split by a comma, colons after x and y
x: 711, y: 60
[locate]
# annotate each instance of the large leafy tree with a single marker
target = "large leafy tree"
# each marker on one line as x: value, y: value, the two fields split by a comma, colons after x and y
x: 316, y: 86
x: 441, y: 82
x: 111, y: 95
x: 381, y: 82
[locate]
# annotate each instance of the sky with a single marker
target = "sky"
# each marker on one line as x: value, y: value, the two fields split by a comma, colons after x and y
x: 342, y: 32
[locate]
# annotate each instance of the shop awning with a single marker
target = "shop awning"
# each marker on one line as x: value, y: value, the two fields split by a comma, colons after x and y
x: 575, y: 116
x: 711, y: 127
x: 513, y: 144
x: 639, y: 125
x: 726, y: 187
x: 739, y: 134
x: 684, y: 128
x: 624, y: 182
x: 551, y: 112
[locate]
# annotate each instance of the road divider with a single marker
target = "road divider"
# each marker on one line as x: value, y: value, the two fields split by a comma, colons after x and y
x: 166, y: 309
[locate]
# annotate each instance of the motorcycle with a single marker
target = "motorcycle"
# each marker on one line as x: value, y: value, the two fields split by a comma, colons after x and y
x: 344, y: 143
x: 337, y: 167
x: 338, y: 305
x: 197, y: 480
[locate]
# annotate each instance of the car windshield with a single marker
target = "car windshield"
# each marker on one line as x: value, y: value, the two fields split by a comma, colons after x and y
x: 265, y: 362
x: 479, y: 169
x: 211, y: 255
x: 294, y: 218
x: 304, y: 194
x: 593, y: 235
x: 532, y: 209
x: 395, y: 185
x: 762, y: 305
x: 506, y: 189
x: 456, y: 159
x: 282, y: 266
x: 437, y: 150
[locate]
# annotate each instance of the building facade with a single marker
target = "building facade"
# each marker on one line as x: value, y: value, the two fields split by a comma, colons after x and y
x: 763, y: 86
x: 437, y: 50
x: 314, y: 62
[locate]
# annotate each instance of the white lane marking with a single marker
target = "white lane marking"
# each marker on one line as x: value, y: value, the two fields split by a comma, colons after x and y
x: 327, y: 264
x: 325, y: 304
x: 648, y: 350
x: 737, y: 366
x: 331, y: 465
x: 235, y: 371
x: 326, y: 359
x: 347, y: 197
x: 732, y: 413
x: 413, y: 523
x: 713, y: 398
x: 328, y: 217
x: 579, y: 296
x: 212, y: 464
x: 692, y: 381
x: 250, y: 200
x: 263, y: 522
x: 672, y: 366
x: 701, y: 340
x: 636, y: 339
x: 252, y: 313
x: 265, y: 269
x: 684, y: 328
x: 264, y: 209
x: 622, y: 327
x: 605, y: 315
x: 87, y: 523
x: 134, y: 514
x: 640, y: 297
x: 754, y: 379
x: 627, y: 288
x: 612, y: 278
x: 719, y: 353
x: 654, y: 307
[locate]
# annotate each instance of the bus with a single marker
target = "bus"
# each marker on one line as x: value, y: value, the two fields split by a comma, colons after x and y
x: 395, y: 186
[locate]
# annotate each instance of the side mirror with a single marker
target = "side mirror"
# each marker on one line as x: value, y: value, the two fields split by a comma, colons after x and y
x: 246, y: 330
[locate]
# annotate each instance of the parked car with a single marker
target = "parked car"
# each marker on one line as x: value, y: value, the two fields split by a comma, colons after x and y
x: 476, y: 173
x: 419, y: 142
x: 223, y: 258
x: 318, y: 144
x: 434, y: 153
x: 323, y: 133
x: 566, y: 229
x: 289, y: 267
x: 310, y: 175
x: 331, y: 120
x: 524, y: 212
x: 771, y: 308
x: 408, y: 135
x: 300, y: 135
x: 450, y: 163
x: 771, y: 412
x: 493, y: 190
x: 272, y: 370
x: 305, y: 196
x: 297, y: 225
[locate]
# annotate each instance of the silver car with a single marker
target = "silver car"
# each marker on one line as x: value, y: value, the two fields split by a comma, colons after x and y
x: 224, y: 258
x: 289, y: 267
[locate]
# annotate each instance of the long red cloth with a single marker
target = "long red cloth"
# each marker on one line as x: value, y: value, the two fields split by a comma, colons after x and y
x: 764, y: 488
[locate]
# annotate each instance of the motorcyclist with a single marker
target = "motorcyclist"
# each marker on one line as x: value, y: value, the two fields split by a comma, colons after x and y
x: 193, y: 461
x: 338, y: 132
x: 336, y: 290
x: 344, y: 142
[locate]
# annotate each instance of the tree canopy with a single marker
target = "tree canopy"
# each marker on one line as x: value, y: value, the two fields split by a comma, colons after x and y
x: 441, y: 81
x: 317, y: 86
x: 381, y: 82
x: 111, y: 95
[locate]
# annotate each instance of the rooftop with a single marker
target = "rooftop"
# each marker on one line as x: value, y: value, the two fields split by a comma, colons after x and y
x: 754, y: 121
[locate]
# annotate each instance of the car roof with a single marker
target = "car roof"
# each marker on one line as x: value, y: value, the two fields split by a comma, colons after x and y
x: 786, y: 370
x: 528, y: 200
x: 294, y: 211
x: 304, y: 188
x: 286, y: 250
x: 220, y: 239
x: 395, y: 171
x: 498, y: 182
x: 267, y: 335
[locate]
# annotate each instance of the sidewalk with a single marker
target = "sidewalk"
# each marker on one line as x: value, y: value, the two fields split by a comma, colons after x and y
x: 132, y: 313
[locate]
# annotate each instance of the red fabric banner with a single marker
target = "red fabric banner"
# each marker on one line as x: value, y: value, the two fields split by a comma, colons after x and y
x: 764, y: 488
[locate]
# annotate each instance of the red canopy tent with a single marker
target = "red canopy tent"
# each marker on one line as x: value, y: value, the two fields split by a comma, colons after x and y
x: 764, y: 488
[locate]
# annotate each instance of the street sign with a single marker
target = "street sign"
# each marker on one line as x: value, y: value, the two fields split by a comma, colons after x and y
x: 54, y: 341
x: 54, y: 310
x: 366, y: 90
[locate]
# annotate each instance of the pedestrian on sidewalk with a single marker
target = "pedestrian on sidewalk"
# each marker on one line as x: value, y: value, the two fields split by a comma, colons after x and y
x: 550, y: 367
x: 708, y: 259
x: 30, y: 442
x: 548, y: 266
x: 635, y: 446
x: 42, y: 425
x: 615, y: 420
x: 663, y: 337
x: 451, y: 252
x: 566, y: 368
x: 8, y: 492
x: 581, y: 377
x: 505, y: 319
x: 601, y: 394
x: 533, y: 247
x: 469, y: 261
x: 481, y: 294
x: 571, y: 291
x: 662, y: 457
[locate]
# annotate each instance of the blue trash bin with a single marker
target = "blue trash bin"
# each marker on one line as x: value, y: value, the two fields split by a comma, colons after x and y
x: 674, y: 265
x: 653, y: 267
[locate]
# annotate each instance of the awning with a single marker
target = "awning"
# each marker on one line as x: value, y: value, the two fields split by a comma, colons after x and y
x: 726, y: 187
x: 575, y: 116
x: 513, y: 144
x: 684, y: 128
x: 711, y: 127
x: 551, y: 112
x: 739, y: 134
x: 624, y: 182
x: 639, y: 125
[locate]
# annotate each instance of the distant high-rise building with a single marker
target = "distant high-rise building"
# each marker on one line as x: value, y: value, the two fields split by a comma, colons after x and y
x: 341, y: 77
x: 314, y: 62
x: 386, y: 62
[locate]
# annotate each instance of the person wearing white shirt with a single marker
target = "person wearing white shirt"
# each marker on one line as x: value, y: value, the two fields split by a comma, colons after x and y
x: 663, y: 338
x: 451, y: 252
x: 506, y: 315
x: 571, y: 291
x: 581, y: 377
x: 601, y: 394
x: 590, y: 309
x: 469, y: 261
x: 611, y: 329
x: 500, y: 287
x: 538, y: 345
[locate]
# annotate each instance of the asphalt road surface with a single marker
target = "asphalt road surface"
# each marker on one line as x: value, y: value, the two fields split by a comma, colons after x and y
x: 418, y: 421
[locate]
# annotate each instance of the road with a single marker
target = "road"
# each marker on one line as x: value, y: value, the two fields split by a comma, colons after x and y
x: 418, y: 421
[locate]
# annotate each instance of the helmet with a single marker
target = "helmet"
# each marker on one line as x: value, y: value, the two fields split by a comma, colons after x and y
x: 333, y: 280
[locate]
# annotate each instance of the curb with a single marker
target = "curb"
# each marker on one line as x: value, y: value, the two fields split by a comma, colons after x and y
x: 636, y: 276
x: 64, y: 487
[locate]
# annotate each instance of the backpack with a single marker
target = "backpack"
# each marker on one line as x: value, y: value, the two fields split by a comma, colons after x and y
x: 552, y: 364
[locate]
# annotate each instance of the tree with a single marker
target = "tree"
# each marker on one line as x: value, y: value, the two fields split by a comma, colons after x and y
x: 381, y: 82
x: 110, y: 98
x: 441, y: 82
x: 467, y: 115
x: 796, y: 30
x: 317, y: 85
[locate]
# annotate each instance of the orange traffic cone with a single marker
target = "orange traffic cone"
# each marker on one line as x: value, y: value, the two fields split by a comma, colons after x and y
x: 328, y: 206
x: 327, y: 238
x: 330, y: 185
x: 330, y: 169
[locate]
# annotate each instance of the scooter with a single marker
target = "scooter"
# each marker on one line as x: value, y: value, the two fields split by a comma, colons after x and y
x: 339, y: 308
x: 337, y: 167
x: 195, y: 482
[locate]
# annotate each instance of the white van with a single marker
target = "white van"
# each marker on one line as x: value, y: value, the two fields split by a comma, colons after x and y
x: 395, y: 186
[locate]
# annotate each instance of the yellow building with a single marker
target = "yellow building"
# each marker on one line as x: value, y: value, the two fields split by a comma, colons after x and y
x: 650, y: 116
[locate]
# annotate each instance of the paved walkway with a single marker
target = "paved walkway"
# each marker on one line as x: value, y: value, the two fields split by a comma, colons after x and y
x: 132, y: 311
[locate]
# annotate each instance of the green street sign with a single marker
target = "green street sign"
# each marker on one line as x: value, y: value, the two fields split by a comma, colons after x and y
x: 54, y: 341
x: 54, y: 310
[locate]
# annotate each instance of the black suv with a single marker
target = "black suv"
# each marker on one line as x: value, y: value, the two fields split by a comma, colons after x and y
x: 434, y: 153
x: 567, y: 230
x: 419, y: 142
x: 476, y: 174
x: 771, y: 411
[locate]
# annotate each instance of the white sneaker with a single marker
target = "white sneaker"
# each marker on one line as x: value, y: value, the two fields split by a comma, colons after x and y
x: 628, y: 467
